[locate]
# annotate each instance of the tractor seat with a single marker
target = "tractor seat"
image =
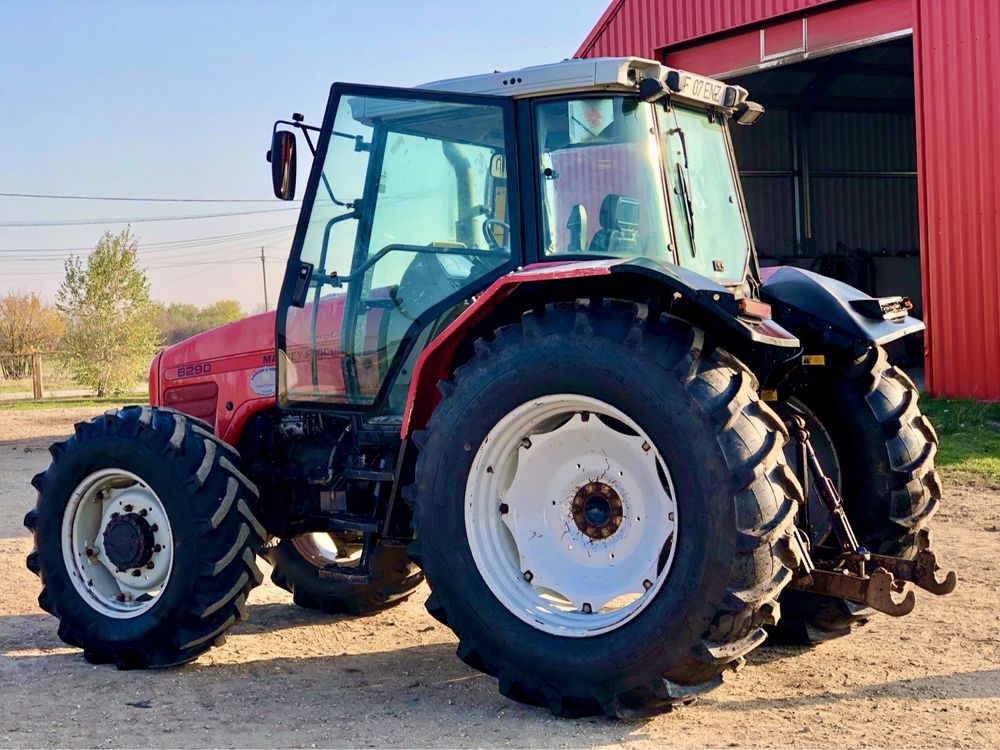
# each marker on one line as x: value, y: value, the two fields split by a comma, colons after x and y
x: 619, y: 232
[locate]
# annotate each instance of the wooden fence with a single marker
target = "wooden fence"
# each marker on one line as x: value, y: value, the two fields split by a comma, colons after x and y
x: 18, y: 368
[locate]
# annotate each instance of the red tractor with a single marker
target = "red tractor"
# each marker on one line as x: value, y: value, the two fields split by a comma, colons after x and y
x: 523, y: 348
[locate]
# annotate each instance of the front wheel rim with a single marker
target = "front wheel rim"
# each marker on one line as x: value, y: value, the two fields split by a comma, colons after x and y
x: 117, y: 543
x: 571, y: 515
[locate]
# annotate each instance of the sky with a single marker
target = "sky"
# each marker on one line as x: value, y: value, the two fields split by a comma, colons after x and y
x: 177, y: 99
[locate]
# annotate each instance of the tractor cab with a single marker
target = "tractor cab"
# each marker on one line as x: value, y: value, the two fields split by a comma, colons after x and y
x: 419, y: 199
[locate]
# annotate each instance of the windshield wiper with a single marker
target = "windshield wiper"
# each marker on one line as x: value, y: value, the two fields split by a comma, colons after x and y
x: 688, y: 207
x: 684, y: 146
x: 685, y: 187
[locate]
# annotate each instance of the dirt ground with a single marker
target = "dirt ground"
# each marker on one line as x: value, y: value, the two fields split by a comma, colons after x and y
x: 293, y: 678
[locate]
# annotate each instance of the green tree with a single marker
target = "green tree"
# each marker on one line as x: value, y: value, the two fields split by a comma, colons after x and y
x: 178, y: 321
x: 221, y: 312
x: 110, y: 336
x: 26, y: 325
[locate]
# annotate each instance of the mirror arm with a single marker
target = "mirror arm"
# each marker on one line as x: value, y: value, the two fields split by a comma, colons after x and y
x: 296, y: 124
x: 309, y: 142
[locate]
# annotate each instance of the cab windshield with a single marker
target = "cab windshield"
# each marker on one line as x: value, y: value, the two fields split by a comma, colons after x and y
x: 624, y: 178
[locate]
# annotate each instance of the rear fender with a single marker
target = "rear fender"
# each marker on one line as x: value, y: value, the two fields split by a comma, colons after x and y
x: 816, y: 307
x: 686, y: 293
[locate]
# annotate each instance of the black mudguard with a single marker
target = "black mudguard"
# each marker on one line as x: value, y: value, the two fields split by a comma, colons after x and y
x: 818, y: 308
x: 711, y: 306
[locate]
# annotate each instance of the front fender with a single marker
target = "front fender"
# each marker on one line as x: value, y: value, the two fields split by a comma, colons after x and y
x: 811, y: 306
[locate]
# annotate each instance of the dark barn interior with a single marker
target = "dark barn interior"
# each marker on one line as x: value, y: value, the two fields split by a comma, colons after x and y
x: 830, y: 171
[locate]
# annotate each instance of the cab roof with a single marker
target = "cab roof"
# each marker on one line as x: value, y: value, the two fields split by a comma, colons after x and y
x: 612, y: 74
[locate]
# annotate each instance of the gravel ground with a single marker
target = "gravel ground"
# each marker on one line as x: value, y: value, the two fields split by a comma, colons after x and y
x: 293, y: 678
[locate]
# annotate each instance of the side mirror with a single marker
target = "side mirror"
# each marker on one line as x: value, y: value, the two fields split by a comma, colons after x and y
x: 747, y: 113
x: 283, y: 161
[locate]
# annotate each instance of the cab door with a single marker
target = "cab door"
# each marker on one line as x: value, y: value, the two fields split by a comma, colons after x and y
x: 410, y: 210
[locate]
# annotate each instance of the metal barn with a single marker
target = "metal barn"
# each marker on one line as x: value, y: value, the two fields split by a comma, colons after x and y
x: 879, y: 158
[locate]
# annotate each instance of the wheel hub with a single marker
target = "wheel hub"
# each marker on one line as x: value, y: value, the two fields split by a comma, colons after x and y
x: 128, y: 541
x: 597, y: 510
x: 117, y: 543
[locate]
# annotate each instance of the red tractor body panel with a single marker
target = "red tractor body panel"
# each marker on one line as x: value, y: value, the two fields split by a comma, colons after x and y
x: 222, y: 376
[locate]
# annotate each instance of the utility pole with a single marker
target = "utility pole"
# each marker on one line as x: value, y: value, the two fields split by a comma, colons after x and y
x: 263, y: 270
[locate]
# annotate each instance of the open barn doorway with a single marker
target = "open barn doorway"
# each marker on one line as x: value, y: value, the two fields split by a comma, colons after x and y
x: 830, y: 172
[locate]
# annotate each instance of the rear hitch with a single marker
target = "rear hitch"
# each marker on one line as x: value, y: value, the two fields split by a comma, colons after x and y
x: 856, y: 574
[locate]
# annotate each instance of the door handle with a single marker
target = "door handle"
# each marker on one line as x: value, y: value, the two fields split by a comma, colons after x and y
x: 301, y: 287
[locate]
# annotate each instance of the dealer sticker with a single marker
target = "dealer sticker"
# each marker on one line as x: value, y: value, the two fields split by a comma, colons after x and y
x: 262, y: 381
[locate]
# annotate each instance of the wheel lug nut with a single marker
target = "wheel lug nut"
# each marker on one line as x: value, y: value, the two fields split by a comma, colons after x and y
x: 157, y: 547
x: 128, y: 508
x: 143, y: 512
x: 587, y: 609
x: 154, y: 528
x: 528, y: 575
x: 647, y: 584
x: 504, y: 509
x: 526, y: 443
x: 646, y: 446
x: 149, y: 565
x: 136, y: 573
x: 114, y: 516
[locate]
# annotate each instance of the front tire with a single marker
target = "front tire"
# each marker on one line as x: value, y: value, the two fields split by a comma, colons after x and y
x: 713, y: 586
x: 145, y: 538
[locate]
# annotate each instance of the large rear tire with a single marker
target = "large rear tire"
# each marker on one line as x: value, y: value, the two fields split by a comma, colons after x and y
x: 145, y: 538
x: 664, y: 407
x: 297, y: 564
x: 885, y: 449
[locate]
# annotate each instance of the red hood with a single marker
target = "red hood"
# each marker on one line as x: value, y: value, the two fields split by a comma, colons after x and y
x: 222, y: 376
x: 253, y: 335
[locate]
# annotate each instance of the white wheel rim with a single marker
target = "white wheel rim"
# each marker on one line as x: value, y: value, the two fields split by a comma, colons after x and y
x: 322, y: 549
x: 95, y: 504
x: 530, y: 474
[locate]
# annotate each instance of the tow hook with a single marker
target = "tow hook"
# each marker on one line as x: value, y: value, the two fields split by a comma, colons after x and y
x: 855, y: 573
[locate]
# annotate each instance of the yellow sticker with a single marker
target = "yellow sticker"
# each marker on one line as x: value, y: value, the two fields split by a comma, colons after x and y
x: 769, y: 395
x: 813, y: 359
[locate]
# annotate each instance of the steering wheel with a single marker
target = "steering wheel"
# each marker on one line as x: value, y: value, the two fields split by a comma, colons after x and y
x: 491, y: 239
x: 422, y: 285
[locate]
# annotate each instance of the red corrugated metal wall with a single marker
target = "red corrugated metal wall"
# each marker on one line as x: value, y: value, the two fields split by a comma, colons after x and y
x: 956, y: 49
x: 640, y: 27
x: 956, y: 60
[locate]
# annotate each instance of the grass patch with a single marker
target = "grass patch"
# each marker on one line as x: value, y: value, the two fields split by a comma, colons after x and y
x: 970, y: 435
x: 139, y: 397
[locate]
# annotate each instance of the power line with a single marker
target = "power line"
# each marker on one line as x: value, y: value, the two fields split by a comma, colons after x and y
x: 135, y: 200
x: 227, y: 262
x: 174, y: 278
x: 137, y: 220
x: 148, y: 247
x: 168, y: 254
x: 242, y: 259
